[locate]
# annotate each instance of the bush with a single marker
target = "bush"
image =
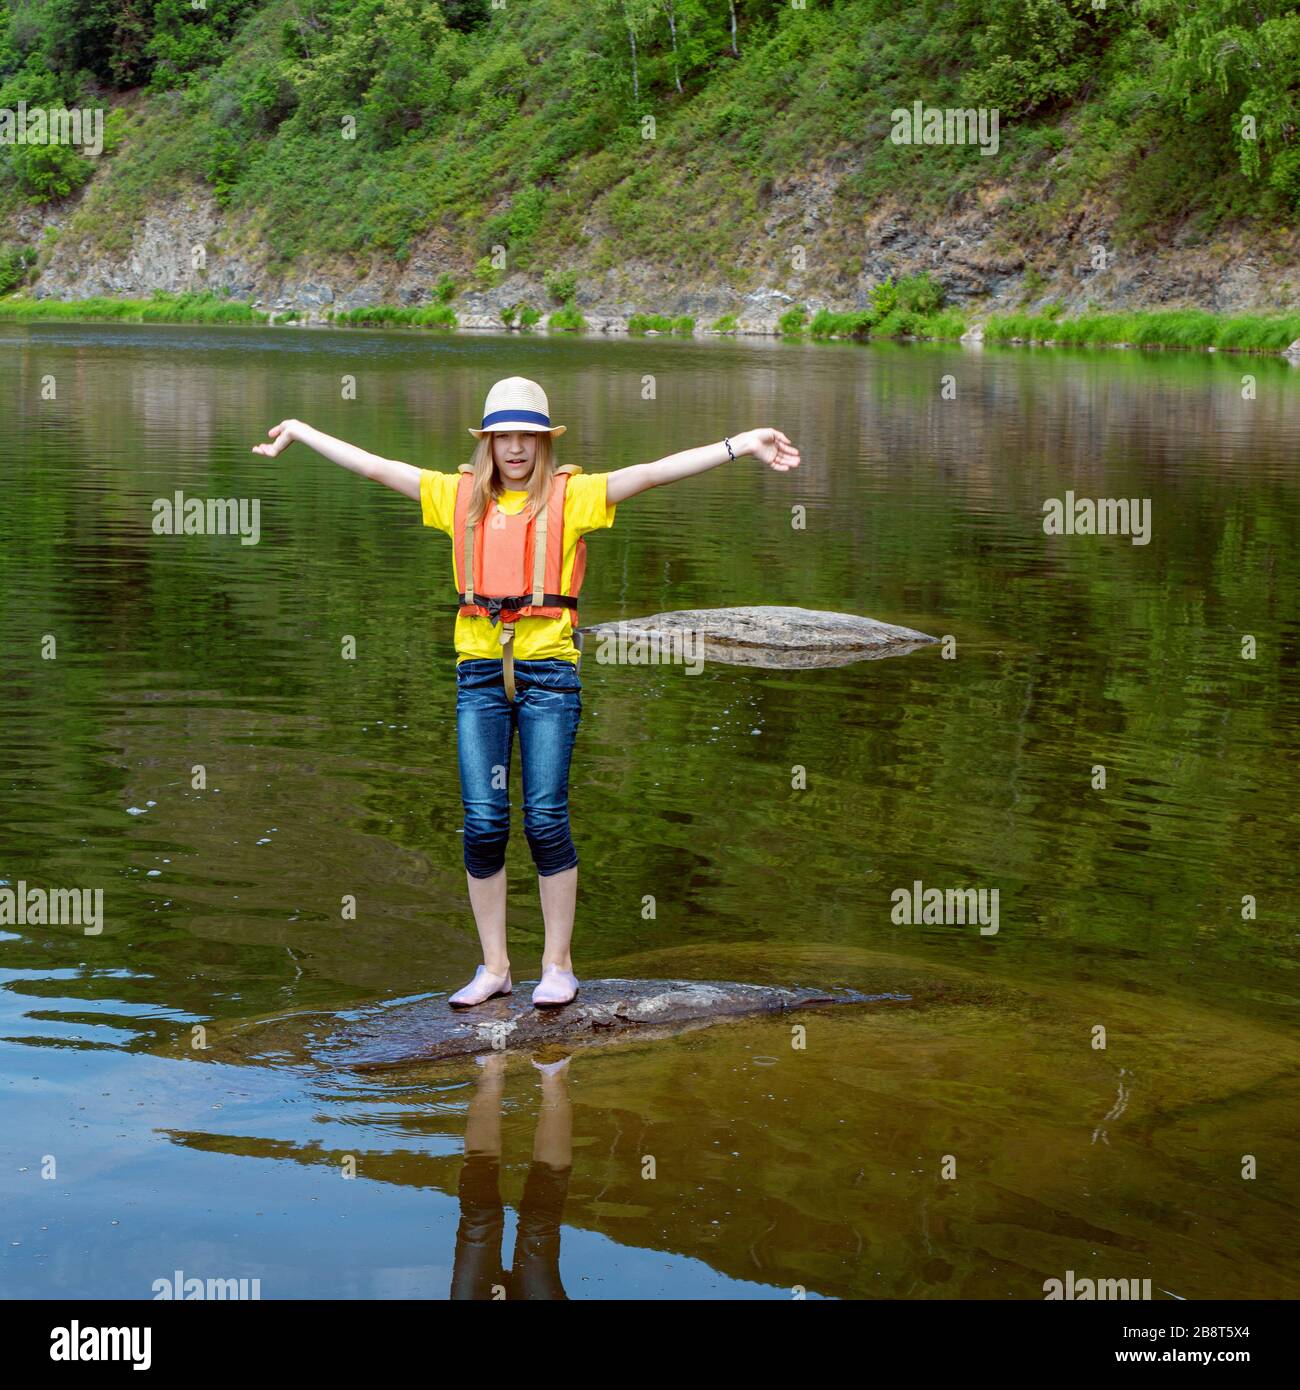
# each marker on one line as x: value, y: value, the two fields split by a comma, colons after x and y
x: 434, y: 316
x: 725, y: 324
x: 266, y: 98
x: 526, y: 315
x: 567, y: 320
x: 42, y: 171
x: 46, y: 172
x: 919, y: 294
x: 792, y: 322
x: 520, y: 224
x: 947, y: 323
x: 487, y: 275
x: 1034, y: 54
x: 1285, y: 176
x: 913, y: 294
x: 397, y: 316
x: 855, y: 324
x: 684, y: 325
x: 13, y: 268
x: 445, y: 289
x: 562, y: 285
x: 186, y: 39
x: 884, y: 298
x: 224, y: 162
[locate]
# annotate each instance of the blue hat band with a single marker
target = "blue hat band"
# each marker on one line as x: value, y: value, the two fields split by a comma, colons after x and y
x: 534, y: 417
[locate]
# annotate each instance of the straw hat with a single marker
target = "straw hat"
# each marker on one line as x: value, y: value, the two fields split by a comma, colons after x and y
x: 517, y: 404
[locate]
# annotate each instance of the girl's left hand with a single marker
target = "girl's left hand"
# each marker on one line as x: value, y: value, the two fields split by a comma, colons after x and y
x: 772, y: 447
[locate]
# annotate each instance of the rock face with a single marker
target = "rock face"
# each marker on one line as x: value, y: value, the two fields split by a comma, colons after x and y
x: 388, y: 1035
x: 757, y: 636
x: 981, y: 262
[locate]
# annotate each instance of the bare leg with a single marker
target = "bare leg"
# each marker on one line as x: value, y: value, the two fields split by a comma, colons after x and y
x: 553, y: 1141
x: 483, y: 1118
x: 487, y: 897
x: 477, y: 1268
x: 559, y: 895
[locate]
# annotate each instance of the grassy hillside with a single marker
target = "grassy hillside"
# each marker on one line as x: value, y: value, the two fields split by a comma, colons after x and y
x: 588, y: 134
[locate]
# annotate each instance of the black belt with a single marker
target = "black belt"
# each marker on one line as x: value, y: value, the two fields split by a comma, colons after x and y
x: 495, y: 605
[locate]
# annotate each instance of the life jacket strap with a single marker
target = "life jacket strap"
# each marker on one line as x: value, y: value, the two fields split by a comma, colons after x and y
x: 539, y: 553
x: 508, y: 659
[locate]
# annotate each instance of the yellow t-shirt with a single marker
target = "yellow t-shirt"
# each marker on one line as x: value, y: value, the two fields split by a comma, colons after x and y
x: 536, y: 639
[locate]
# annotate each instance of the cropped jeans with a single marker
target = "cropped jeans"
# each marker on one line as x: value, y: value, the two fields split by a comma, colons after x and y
x: 547, y: 707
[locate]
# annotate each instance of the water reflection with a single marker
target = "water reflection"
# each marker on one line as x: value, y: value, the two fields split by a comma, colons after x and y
x: 478, y: 1272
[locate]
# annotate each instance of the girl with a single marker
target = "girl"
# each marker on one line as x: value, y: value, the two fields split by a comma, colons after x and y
x: 516, y: 521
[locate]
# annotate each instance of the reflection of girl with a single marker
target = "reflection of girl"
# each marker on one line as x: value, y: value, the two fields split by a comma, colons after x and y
x: 478, y: 1272
x: 535, y: 1271
x: 517, y: 666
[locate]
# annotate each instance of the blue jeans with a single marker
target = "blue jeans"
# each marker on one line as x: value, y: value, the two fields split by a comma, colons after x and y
x: 547, y: 707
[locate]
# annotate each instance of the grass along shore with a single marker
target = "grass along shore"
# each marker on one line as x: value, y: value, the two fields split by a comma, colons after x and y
x: 1163, y: 328
x: 1188, y: 329
x: 161, y: 308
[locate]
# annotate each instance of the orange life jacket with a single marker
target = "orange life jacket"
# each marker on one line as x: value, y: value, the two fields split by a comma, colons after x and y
x: 513, y: 564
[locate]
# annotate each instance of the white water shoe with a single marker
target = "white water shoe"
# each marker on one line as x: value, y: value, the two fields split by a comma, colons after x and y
x: 556, y: 987
x: 482, y: 987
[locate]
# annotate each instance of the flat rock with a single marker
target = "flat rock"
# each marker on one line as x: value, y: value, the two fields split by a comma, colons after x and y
x: 755, y: 636
x: 429, y: 1029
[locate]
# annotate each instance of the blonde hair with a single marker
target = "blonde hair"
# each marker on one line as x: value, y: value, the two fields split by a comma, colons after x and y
x: 487, y: 482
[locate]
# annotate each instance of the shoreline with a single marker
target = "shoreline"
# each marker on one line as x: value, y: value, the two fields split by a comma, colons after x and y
x: 194, y: 310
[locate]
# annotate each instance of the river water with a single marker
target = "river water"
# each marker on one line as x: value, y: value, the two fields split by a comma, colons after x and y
x: 1106, y: 1084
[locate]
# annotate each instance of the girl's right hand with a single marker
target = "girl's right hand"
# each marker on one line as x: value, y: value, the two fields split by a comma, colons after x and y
x: 284, y: 434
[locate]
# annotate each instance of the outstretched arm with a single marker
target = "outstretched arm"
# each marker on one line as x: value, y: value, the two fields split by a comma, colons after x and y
x: 401, y: 477
x: 769, y: 445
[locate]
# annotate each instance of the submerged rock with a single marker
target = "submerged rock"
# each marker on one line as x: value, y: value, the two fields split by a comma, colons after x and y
x: 757, y: 636
x: 429, y: 1029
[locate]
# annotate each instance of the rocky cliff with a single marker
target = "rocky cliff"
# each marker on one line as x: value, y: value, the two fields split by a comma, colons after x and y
x: 188, y: 243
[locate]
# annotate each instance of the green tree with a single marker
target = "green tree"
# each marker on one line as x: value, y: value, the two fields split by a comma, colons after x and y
x: 186, y: 40
x: 1033, y: 55
x: 11, y: 58
x: 410, y: 85
x: 1237, y: 62
x: 42, y: 172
